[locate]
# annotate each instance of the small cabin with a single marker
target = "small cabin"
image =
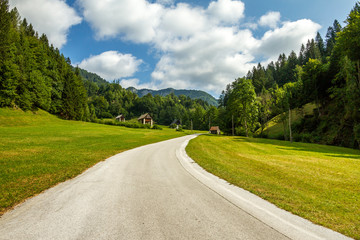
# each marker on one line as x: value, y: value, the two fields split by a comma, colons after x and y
x: 215, y: 130
x: 146, y: 119
x: 176, y: 122
x: 120, y: 118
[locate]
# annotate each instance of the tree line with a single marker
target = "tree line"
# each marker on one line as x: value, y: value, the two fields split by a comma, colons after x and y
x: 325, y: 73
x: 107, y: 100
x: 35, y: 75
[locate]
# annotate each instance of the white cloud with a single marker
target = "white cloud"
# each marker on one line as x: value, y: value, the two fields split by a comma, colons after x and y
x: 134, y: 82
x: 135, y: 20
x: 227, y: 11
x: 182, y: 21
x: 271, y: 19
x: 52, y: 17
x: 112, y: 65
x: 190, y: 64
x: 201, y: 48
x: 287, y: 38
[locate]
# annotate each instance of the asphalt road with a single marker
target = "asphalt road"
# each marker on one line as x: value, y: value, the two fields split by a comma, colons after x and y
x: 152, y: 192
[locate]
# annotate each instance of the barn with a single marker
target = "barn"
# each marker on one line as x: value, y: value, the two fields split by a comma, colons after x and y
x: 215, y: 130
x: 146, y: 119
x: 120, y: 118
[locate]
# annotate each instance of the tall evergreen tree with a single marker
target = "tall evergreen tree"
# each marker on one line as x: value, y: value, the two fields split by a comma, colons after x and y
x: 321, y: 45
x: 349, y: 38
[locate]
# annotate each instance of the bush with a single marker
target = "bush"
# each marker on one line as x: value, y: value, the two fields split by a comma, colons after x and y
x: 279, y: 136
x: 157, y: 127
x: 109, y: 122
x: 240, y: 131
x: 179, y: 129
x: 105, y: 115
x: 263, y: 135
x: 173, y: 125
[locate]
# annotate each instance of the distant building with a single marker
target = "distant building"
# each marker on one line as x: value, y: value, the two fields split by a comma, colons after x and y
x: 215, y: 130
x: 120, y: 118
x: 176, y: 122
x: 146, y: 119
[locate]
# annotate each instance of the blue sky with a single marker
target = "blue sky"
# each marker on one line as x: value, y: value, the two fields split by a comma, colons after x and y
x: 181, y: 44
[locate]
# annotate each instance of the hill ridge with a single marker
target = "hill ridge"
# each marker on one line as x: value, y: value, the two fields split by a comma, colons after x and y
x: 194, y: 94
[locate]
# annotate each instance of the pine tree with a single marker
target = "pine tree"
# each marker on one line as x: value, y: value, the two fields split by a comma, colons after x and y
x: 320, y: 44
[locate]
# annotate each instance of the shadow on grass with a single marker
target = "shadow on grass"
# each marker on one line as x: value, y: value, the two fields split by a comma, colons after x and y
x: 329, y: 151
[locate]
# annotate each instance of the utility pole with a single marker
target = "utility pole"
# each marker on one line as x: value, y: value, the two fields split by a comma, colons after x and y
x: 232, y: 121
x: 191, y: 126
x: 290, y: 133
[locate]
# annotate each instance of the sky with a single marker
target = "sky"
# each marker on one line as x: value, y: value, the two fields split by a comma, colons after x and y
x: 183, y: 44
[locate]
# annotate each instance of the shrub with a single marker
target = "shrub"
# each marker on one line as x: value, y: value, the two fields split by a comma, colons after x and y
x: 180, y: 129
x: 157, y: 127
x: 106, y: 115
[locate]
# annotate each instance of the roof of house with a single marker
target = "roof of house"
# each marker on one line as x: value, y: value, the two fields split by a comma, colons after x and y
x: 176, y: 121
x: 146, y: 115
x: 214, y: 128
x: 120, y: 116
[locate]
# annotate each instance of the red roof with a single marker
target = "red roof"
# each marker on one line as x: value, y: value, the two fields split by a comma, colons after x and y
x: 214, y: 128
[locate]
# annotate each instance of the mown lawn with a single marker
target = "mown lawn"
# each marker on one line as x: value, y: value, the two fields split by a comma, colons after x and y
x: 39, y: 150
x: 320, y: 183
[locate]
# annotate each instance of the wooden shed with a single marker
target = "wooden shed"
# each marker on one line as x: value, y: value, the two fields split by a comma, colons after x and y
x: 176, y: 122
x: 215, y: 130
x: 120, y: 118
x: 146, y: 119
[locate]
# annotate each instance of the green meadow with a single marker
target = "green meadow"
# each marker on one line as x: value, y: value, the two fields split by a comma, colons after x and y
x: 39, y: 150
x: 318, y: 182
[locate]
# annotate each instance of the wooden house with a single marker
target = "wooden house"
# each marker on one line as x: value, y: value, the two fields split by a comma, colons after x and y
x: 120, y: 118
x: 146, y: 119
x: 176, y: 122
x: 215, y: 130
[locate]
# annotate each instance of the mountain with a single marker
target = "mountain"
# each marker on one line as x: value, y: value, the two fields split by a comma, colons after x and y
x: 193, y: 94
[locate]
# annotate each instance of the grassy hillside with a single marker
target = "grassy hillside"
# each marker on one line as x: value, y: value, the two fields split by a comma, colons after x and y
x: 317, y: 182
x: 275, y: 127
x: 39, y: 150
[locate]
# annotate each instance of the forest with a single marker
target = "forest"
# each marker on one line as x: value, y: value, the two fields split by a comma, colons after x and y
x: 325, y: 73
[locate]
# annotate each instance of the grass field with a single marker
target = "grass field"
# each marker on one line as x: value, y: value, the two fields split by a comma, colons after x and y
x: 320, y: 183
x: 39, y: 150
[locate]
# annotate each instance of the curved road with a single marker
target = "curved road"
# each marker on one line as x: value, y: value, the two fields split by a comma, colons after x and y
x: 147, y: 193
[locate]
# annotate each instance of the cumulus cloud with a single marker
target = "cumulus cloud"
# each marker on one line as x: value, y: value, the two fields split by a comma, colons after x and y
x: 52, y: 17
x: 208, y: 61
x: 227, y: 11
x: 182, y: 21
x: 287, y: 38
x: 271, y: 19
x: 134, y: 82
x: 134, y: 20
x: 112, y: 65
x: 202, y: 48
